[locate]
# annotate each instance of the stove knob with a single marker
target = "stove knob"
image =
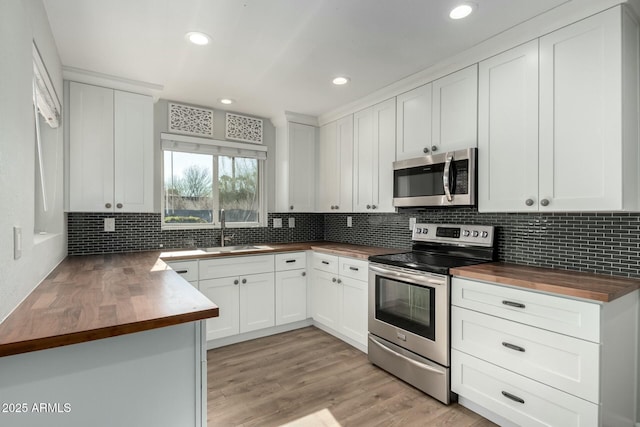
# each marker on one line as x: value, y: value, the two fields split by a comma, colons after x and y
x: 485, y: 234
x: 418, y: 230
x: 466, y: 233
x: 475, y: 233
x: 425, y: 230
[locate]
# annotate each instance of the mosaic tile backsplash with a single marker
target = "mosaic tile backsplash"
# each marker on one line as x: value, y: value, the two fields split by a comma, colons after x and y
x: 606, y: 243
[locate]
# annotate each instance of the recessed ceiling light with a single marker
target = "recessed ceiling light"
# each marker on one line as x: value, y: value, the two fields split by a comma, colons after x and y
x: 461, y: 11
x: 198, y: 38
x: 226, y: 101
x: 341, y: 80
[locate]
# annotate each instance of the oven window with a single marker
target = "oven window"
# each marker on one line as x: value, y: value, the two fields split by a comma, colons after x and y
x: 406, y: 306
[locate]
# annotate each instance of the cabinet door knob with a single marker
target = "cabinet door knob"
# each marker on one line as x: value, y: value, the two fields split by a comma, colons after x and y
x: 235, y: 282
x: 244, y: 281
x: 374, y: 207
x: 544, y: 202
x: 337, y: 207
x: 107, y: 205
x: 368, y: 206
x: 304, y: 273
x: 339, y: 281
x: 434, y: 148
x: 291, y: 207
x: 119, y: 206
x: 425, y: 150
x: 334, y: 280
x: 528, y: 202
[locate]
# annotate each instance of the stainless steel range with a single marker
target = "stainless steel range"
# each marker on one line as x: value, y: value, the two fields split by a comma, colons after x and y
x: 409, y: 303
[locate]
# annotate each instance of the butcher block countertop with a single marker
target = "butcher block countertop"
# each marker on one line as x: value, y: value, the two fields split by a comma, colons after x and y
x: 340, y: 249
x: 99, y: 296
x: 574, y: 284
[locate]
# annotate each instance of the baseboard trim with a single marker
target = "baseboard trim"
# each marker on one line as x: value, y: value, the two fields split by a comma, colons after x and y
x: 221, y: 342
x: 351, y: 342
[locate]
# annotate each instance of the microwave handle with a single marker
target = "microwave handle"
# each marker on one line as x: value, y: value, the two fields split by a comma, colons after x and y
x: 445, y: 176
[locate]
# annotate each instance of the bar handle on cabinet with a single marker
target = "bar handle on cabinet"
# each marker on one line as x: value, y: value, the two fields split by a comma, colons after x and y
x: 512, y: 397
x: 513, y: 304
x: 182, y: 271
x: 513, y: 346
x: 290, y: 261
x: 354, y: 268
x: 325, y: 262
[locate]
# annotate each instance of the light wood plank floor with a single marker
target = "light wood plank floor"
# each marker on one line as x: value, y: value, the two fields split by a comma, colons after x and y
x: 308, y: 378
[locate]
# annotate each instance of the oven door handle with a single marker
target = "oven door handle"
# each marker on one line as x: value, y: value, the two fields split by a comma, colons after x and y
x: 405, y: 358
x: 445, y: 177
x: 399, y: 275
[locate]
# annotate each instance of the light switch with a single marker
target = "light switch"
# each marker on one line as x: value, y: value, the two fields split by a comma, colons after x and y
x: 412, y: 223
x: 17, y: 242
x: 349, y: 221
x: 292, y: 223
x: 277, y: 222
x: 109, y: 224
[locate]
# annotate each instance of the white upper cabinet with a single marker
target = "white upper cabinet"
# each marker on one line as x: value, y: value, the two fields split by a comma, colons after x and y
x: 439, y: 116
x: 414, y: 122
x: 295, y: 168
x: 582, y: 155
x: 110, y: 150
x: 335, y: 171
x: 508, y: 130
x: 454, y: 121
x: 582, y: 146
x: 374, y: 154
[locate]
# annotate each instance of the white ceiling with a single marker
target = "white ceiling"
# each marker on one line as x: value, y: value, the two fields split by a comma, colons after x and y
x: 272, y: 55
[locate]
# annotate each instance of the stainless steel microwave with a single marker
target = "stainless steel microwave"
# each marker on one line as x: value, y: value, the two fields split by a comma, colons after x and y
x: 447, y: 179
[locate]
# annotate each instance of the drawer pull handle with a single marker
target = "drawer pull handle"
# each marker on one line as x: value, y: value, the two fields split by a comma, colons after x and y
x: 354, y: 268
x: 290, y: 261
x: 512, y: 397
x: 513, y: 304
x: 513, y: 346
x: 182, y: 271
x: 325, y: 262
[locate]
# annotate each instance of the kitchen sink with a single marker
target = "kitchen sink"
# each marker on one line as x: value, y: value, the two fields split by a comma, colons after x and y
x: 239, y: 248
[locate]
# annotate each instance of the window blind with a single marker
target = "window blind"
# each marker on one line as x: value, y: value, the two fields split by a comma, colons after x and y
x: 192, y: 144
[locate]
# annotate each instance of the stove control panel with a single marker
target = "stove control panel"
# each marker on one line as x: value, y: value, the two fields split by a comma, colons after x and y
x: 475, y: 235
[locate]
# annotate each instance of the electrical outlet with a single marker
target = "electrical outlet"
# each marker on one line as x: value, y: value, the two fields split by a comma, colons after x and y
x: 17, y: 242
x: 349, y: 221
x: 277, y: 222
x: 412, y: 223
x: 292, y: 223
x: 109, y: 224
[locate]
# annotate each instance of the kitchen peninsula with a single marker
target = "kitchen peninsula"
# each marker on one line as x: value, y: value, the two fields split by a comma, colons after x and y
x: 106, y: 334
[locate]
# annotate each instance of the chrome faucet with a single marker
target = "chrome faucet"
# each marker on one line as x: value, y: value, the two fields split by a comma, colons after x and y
x: 223, y: 225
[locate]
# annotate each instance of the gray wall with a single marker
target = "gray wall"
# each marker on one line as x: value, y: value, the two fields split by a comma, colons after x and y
x: 22, y: 21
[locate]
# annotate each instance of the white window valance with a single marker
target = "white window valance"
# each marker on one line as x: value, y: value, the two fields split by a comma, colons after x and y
x: 192, y: 144
x: 45, y: 97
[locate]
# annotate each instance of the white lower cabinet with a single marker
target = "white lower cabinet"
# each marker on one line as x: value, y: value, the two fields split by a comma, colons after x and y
x: 340, y: 295
x: 291, y: 287
x: 518, y: 399
x: 539, y: 359
x: 247, y: 301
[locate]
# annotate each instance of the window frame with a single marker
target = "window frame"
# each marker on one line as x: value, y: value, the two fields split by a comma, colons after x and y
x: 262, y: 208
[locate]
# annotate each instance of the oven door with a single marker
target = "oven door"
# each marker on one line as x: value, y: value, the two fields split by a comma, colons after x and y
x: 410, y: 309
x: 447, y: 179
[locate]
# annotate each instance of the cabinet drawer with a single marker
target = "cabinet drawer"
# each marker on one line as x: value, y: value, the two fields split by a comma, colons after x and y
x: 187, y: 269
x: 324, y: 262
x: 563, y: 362
x: 563, y: 315
x: 291, y: 261
x: 354, y: 268
x: 235, y: 266
x: 491, y: 387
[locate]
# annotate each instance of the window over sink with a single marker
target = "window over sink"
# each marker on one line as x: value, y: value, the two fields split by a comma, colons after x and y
x: 201, y: 176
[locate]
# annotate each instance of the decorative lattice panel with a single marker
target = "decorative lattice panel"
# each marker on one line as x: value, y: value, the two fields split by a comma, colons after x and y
x: 243, y: 128
x: 190, y: 120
